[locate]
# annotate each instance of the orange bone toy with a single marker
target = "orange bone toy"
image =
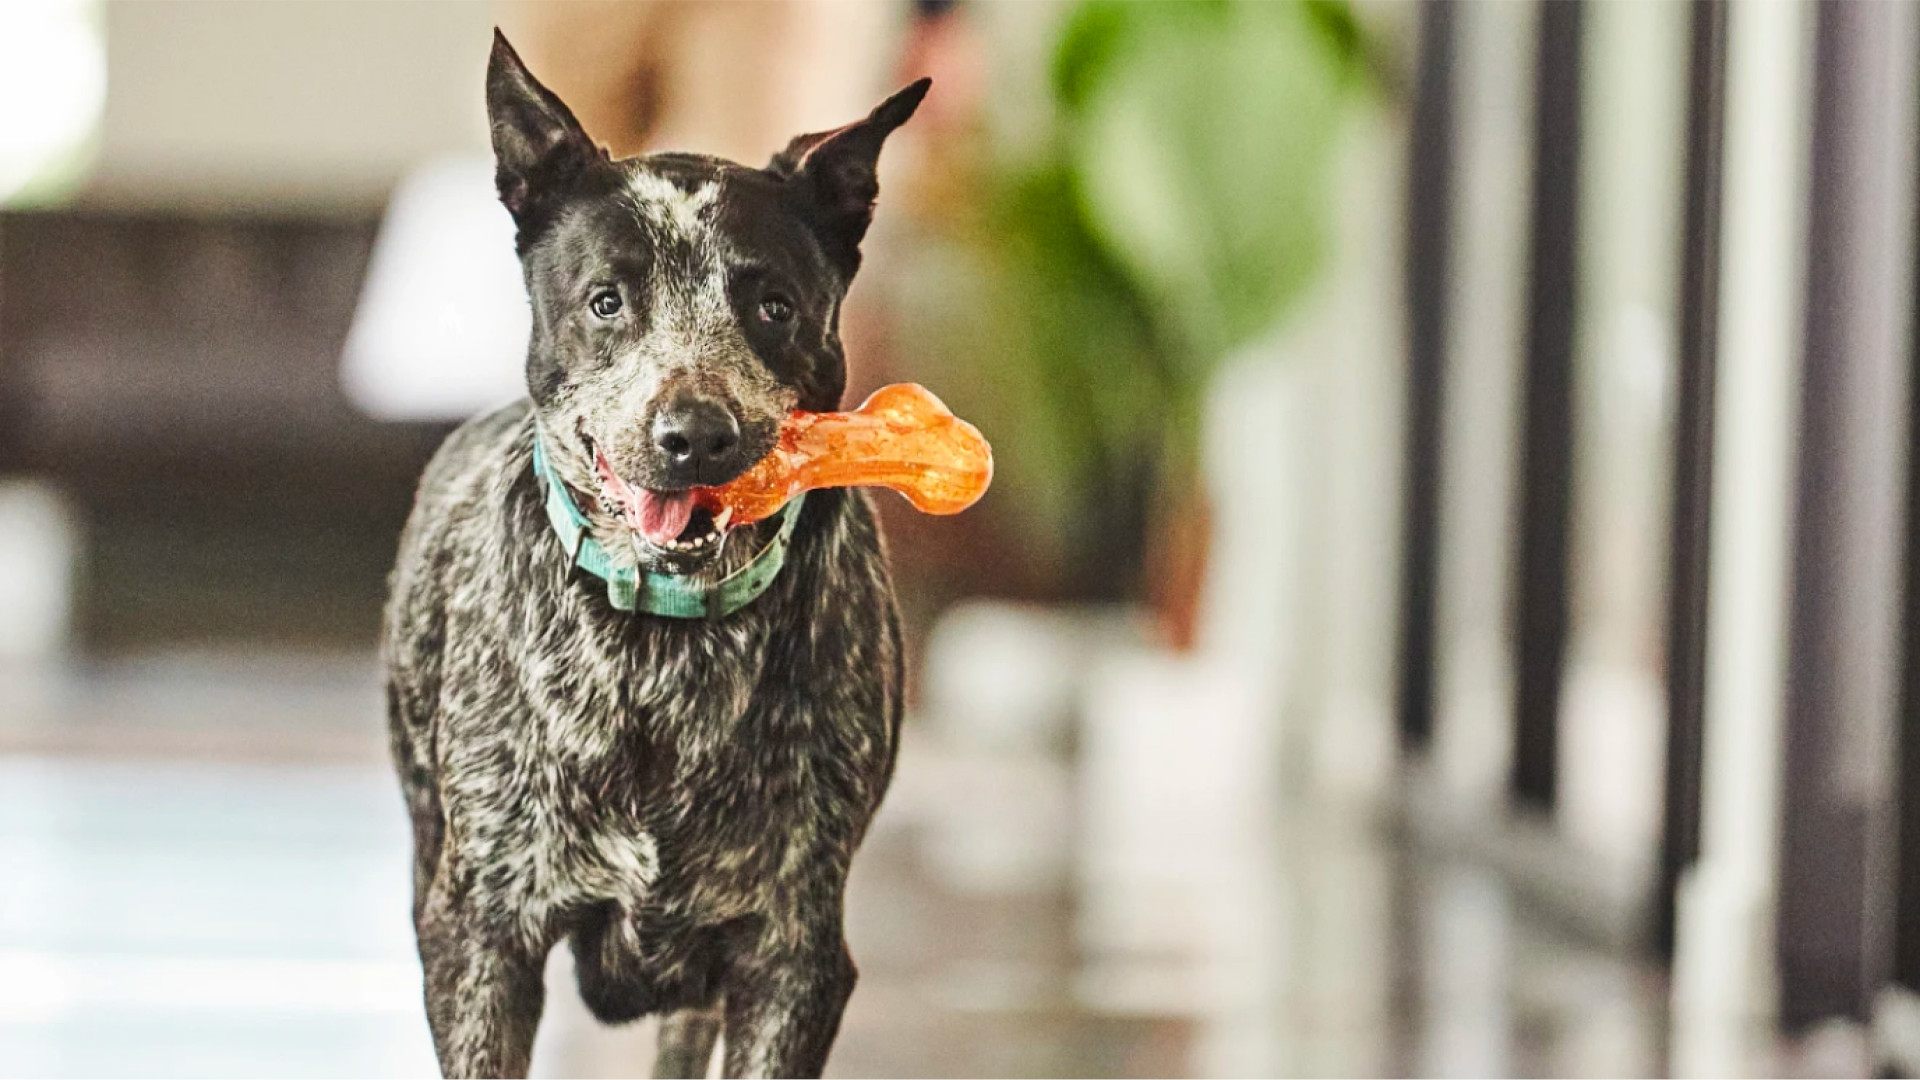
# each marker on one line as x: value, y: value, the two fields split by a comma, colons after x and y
x: 901, y: 437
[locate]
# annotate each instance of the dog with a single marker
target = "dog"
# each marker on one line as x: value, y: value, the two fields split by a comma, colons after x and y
x: 677, y: 793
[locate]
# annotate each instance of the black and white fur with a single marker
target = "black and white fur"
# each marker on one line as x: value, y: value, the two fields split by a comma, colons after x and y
x: 679, y: 799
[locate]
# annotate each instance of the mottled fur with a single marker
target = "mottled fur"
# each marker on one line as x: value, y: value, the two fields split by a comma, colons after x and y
x: 680, y: 799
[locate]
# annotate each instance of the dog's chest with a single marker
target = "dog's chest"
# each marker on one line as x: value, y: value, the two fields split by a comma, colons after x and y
x: 644, y: 777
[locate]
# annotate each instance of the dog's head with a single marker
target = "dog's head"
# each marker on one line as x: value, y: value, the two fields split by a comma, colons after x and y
x: 682, y: 305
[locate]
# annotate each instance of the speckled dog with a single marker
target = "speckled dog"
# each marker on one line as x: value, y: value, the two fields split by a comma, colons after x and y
x: 680, y: 797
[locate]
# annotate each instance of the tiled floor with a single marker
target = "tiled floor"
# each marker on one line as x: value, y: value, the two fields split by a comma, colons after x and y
x: 203, y: 872
x: 179, y: 919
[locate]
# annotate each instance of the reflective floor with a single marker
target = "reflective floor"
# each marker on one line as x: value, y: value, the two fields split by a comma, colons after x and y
x: 203, y: 871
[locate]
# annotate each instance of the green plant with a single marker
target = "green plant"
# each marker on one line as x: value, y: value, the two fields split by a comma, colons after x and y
x: 1175, y: 210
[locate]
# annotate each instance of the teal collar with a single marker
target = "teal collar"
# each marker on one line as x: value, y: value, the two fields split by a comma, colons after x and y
x: 672, y: 595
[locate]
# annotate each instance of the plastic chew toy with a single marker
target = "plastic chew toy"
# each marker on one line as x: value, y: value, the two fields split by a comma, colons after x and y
x: 902, y: 437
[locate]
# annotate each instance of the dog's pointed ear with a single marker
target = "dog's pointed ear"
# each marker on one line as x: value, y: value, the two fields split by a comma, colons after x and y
x: 537, y: 144
x: 835, y: 174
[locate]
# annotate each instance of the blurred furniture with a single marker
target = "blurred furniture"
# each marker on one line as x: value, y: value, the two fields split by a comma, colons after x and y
x: 176, y: 377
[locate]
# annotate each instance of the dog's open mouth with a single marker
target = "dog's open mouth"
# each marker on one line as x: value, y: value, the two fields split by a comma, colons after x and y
x: 668, y: 520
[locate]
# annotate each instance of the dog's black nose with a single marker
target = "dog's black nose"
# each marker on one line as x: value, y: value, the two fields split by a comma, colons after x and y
x: 700, y: 440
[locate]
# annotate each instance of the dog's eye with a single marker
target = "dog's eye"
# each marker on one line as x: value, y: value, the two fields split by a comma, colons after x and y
x: 776, y: 309
x: 605, y: 303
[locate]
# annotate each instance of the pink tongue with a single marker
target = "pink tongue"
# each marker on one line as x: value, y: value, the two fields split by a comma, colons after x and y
x: 662, y: 516
x: 659, y: 517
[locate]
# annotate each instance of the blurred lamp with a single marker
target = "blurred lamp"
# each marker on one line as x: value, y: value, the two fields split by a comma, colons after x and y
x: 441, y: 329
x: 53, y: 87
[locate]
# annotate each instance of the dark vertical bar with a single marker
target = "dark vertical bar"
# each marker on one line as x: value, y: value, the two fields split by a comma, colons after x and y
x: 1546, y: 447
x: 1821, y: 854
x: 1906, y: 920
x: 13, y: 404
x: 1906, y: 925
x: 1834, y: 898
x: 1429, y: 244
x: 1693, y: 458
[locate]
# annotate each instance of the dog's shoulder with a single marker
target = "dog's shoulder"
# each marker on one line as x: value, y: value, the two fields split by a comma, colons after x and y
x: 839, y: 533
x: 459, y: 515
x: 844, y: 649
x: 474, y: 461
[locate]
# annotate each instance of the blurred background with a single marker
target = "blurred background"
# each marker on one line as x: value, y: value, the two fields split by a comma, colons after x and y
x: 1442, y: 609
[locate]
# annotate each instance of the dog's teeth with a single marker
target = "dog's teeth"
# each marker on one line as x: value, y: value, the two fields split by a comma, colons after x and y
x: 701, y: 541
x: 720, y: 522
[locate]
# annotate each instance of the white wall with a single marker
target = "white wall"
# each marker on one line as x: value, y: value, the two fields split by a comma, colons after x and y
x: 1613, y: 711
x: 1473, y: 728
x: 295, y: 104
x: 1723, y: 967
x: 1348, y: 341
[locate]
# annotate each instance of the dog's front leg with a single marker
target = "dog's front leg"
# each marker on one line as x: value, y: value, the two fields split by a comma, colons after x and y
x: 484, y: 995
x: 686, y: 1043
x: 783, y: 1010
